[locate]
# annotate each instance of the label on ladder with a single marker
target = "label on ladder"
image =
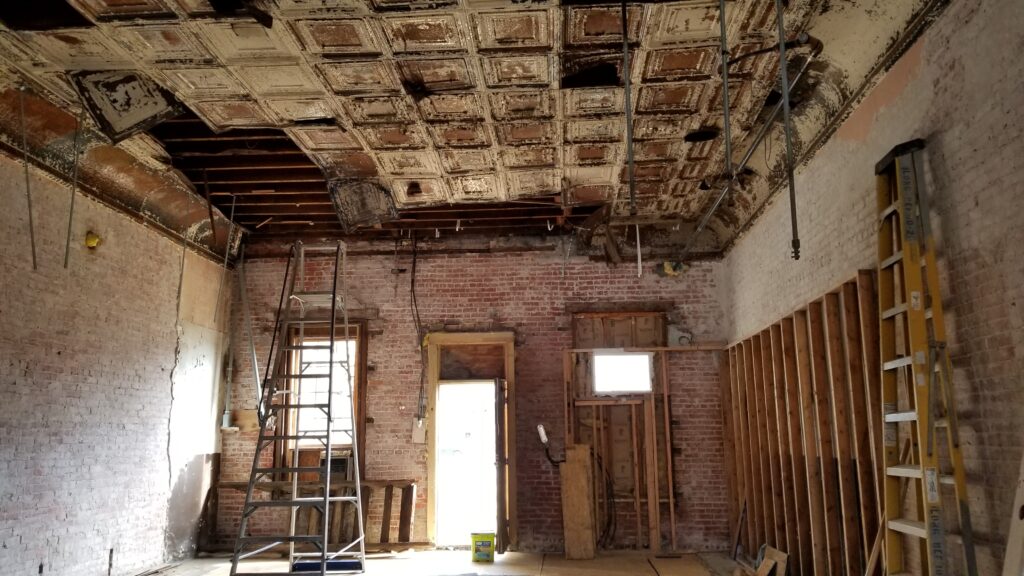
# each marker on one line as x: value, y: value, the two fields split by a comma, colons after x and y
x: 931, y: 485
x: 935, y: 539
x: 909, y: 199
x: 915, y: 300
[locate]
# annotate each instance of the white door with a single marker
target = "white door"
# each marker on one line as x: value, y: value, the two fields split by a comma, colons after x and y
x: 467, y: 478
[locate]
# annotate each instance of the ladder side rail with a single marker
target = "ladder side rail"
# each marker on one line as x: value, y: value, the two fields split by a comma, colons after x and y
x: 349, y: 380
x: 266, y: 398
x: 326, y: 520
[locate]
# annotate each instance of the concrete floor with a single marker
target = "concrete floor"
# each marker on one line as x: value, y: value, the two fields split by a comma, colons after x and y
x: 458, y: 563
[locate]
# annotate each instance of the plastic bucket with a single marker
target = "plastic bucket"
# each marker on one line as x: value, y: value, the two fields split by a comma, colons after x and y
x: 483, y: 547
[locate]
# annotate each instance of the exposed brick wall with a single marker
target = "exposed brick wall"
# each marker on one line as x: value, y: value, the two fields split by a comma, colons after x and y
x: 87, y: 357
x: 960, y: 88
x: 527, y: 293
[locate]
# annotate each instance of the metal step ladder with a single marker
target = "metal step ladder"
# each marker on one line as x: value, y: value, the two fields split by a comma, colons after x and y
x: 303, y: 355
x: 915, y: 360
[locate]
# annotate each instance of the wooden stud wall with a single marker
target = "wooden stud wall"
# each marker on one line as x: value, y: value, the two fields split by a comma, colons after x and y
x: 802, y: 407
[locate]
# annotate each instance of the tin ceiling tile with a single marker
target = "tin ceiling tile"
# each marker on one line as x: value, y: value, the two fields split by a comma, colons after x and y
x: 196, y: 7
x: 678, y: 98
x: 408, y: 163
x: 527, y: 133
x: 162, y: 43
x: 379, y: 109
x: 120, y: 9
x: 478, y: 188
x: 225, y: 114
x: 425, y: 76
x: 287, y: 79
x: 125, y: 102
x: 427, y: 33
x: 591, y: 154
x: 508, y: 71
x: 680, y: 64
x: 689, y: 22
x: 410, y: 5
x: 657, y: 150
x: 305, y: 8
x: 532, y: 157
x: 592, y: 26
x: 316, y: 138
x: 394, y: 136
x: 212, y: 83
x: 590, y: 193
x: 301, y: 109
x: 693, y: 170
x: 373, y: 76
x: 527, y: 104
x: 79, y: 49
x: 527, y: 183
x: 513, y: 30
x: 346, y: 164
x: 243, y: 41
x: 595, y: 130
x: 337, y: 37
x: 448, y: 107
x: 467, y: 160
x: 762, y: 64
x: 659, y: 171
x: 702, y: 150
x: 16, y: 51
x: 594, y: 101
x: 657, y: 127
x: 410, y: 192
x: 460, y: 135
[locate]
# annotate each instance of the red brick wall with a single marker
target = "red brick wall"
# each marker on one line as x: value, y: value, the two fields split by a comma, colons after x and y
x: 525, y: 293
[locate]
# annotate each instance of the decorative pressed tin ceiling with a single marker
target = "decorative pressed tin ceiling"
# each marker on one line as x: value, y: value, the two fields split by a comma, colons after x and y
x: 504, y: 116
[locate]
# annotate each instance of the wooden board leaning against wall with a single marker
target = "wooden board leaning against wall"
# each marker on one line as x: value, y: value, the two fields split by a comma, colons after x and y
x: 630, y: 435
x: 802, y: 408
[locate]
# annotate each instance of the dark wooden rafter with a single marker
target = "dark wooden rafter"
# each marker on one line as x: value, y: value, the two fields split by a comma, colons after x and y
x: 279, y: 191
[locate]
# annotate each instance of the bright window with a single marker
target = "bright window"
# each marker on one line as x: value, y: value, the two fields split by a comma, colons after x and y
x: 315, y: 390
x: 619, y: 372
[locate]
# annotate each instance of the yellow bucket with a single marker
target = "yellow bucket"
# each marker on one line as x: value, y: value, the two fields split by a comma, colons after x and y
x: 483, y: 547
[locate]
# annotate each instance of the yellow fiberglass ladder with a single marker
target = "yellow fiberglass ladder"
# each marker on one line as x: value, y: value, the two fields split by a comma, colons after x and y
x: 915, y: 360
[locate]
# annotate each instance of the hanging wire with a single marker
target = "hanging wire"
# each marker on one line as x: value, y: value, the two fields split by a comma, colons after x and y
x: 28, y: 185
x: 421, y: 404
x: 74, y: 184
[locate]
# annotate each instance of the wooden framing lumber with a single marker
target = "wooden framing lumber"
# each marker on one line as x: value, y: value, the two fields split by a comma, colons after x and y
x: 785, y: 453
x: 804, y: 557
x: 778, y: 494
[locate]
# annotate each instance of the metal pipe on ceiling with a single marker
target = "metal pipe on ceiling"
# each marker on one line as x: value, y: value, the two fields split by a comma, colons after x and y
x: 758, y: 138
x: 725, y: 89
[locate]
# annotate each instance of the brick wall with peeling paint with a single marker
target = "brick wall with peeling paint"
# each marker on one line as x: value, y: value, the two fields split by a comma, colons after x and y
x: 525, y: 293
x: 100, y: 470
x: 960, y: 89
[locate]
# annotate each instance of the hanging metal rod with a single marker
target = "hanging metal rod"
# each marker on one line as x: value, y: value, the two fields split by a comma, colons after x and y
x: 786, y: 127
x: 761, y: 133
x: 629, y: 109
x: 725, y: 89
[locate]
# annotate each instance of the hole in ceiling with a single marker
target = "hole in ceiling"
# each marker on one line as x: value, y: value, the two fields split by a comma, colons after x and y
x: 414, y: 189
x: 589, y: 71
x: 704, y: 185
x: 773, y: 98
x: 702, y: 134
x: 41, y: 15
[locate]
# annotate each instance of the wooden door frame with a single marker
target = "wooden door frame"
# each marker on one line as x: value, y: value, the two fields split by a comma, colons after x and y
x: 434, y: 342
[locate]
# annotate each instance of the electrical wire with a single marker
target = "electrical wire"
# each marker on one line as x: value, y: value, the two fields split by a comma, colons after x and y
x: 414, y: 307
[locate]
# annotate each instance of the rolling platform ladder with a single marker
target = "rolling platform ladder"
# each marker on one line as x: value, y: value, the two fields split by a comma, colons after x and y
x: 915, y: 361
x: 302, y: 402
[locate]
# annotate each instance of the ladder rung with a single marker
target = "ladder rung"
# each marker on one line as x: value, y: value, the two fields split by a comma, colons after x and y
x: 901, y: 417
x: 292, y: 469
x: 889, y: 211
x: 296, y: 437
x: 897, y: 309
x: 904, y: 471
x: 307, y: 321
x: 282, y: 539
x: 299, y: 376
x: 298, y: 502
x: 312, y: 293
x: 308, y: 347
x: 349, y: 554
x: 297, y: 406
x: 897, y: 257
x: 909, y: 527
x: 898, y: 363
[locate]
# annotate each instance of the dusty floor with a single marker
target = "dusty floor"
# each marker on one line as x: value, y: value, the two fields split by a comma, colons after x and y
x: 457, y: 563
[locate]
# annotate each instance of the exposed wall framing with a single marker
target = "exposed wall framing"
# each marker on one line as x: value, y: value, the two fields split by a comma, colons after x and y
x: 802, y: 406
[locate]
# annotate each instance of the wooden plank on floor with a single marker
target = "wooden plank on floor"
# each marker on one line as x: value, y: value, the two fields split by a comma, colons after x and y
x: 577, y: 498
x: 385, y: 522
x: 406, y: 512
x: 798, y: 462
x: 764, y: 454
x: 778, y: 494
x: 785, y: 452
x: 755, y: 513
x: 826, y: 447
x: 860, y: 417
x: 836, y: 363
x: 808, y: 420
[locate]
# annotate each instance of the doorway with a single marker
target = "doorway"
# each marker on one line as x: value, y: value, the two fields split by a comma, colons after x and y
x: 466, y: 473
